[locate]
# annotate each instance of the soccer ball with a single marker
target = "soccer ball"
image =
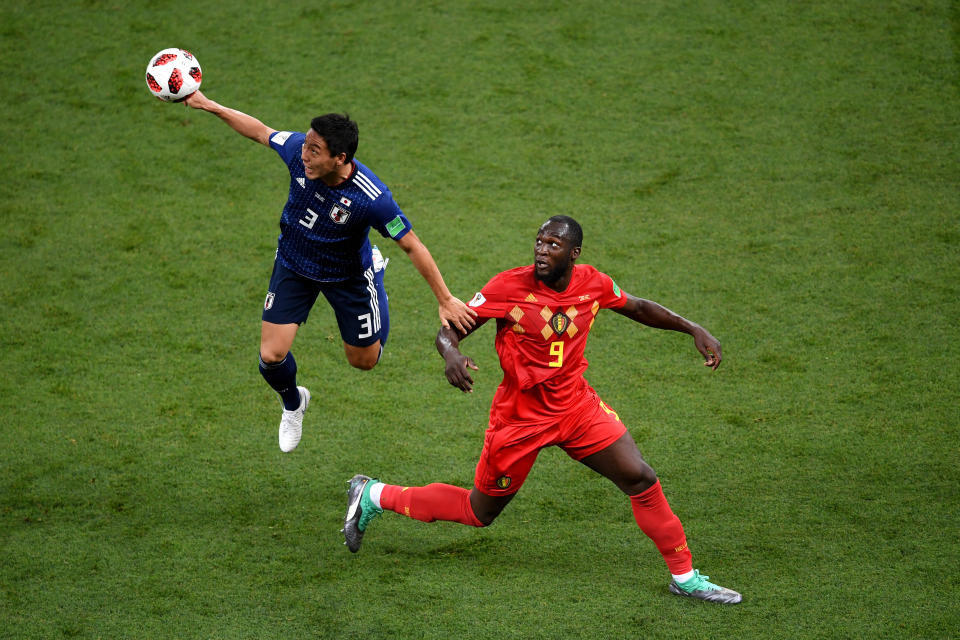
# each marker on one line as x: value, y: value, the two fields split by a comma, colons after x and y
x: 173, y: 74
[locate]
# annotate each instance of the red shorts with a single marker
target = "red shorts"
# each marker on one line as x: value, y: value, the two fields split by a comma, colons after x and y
x: 509, y: 452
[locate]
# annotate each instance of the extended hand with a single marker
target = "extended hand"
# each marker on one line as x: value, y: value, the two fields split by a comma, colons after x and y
x: 195, y: 100
x: 709, y: 347
x: 454, y: 312
x: 458, y: 374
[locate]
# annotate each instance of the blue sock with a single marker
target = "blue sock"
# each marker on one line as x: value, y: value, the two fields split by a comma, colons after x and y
x: 282, y: 378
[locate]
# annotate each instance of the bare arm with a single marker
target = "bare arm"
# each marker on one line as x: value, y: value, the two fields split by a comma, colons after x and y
x: 452, y: 310
x: 655, y: 315
x: 457, y: 365
x: 240, y: 122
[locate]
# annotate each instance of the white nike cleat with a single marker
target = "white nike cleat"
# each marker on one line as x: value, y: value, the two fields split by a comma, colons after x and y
x: 291, y: 424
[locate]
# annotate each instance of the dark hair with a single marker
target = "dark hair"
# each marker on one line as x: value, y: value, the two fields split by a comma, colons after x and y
x: 573, y: 232
x: 340, y: 133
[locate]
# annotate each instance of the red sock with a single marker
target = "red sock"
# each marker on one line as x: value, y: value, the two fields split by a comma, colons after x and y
x: 657, y: 520
x: 433, y: 502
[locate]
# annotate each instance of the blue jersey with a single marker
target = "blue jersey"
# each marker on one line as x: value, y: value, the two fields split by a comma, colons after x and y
x: 324, y: 230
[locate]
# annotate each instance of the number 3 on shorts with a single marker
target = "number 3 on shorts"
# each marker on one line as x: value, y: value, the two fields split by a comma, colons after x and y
x: 366, y: 328
x: 556, y: 350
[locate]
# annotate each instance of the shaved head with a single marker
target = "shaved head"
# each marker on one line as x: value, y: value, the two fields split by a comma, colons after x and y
x: 571, y: 229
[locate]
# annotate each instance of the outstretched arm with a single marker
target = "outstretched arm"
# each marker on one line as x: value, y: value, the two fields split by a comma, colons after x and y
x: 452, y: 310
x: 654, y: 315
x: 240, y: 122
x: 457, y: 365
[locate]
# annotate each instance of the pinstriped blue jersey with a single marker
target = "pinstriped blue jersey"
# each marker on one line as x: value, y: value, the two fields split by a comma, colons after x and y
x: 324, y: 230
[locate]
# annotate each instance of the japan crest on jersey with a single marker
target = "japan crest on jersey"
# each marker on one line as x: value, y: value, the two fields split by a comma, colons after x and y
x: 339, y: 215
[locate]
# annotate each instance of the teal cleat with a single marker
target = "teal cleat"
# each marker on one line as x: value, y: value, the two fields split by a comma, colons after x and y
x: 701, y: 588
x: 360, y: 511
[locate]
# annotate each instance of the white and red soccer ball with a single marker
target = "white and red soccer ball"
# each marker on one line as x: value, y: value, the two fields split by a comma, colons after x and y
x: 173, y: 74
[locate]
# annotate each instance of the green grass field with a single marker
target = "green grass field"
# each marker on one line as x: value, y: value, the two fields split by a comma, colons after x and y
x: 784, y: 173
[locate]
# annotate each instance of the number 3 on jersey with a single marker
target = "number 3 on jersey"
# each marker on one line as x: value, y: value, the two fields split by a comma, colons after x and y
x: 556, y: 352
x: 309, y: 219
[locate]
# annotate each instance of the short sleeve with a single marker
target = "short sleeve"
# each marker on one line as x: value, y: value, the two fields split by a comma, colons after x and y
x: 388, y: 219
x: 610, y: 295
x: 287, y: 144
x: 492, y: 300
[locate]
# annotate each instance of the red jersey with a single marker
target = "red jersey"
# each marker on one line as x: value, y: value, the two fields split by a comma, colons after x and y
x: 541, y: 337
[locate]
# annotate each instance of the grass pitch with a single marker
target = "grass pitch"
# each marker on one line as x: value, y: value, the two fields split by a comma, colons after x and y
x: 783, y: 173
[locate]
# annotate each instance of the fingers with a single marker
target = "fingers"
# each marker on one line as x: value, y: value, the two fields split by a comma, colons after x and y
x: 459, y: 323
x: 712, y: 360
x: 445, y: 319
x: 460, y: 378
x: 462, y: 316
x: 709, y: 348
x: 463, y: 382
x: 465, y: 321
x: 717, y: 351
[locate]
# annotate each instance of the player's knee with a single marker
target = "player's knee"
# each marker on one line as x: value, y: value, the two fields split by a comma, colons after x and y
x: 639, y: 480
x: 364, y: 358
x: 363, y: 362
x: 484, y: 516
x: 272, y: 355
x: 484, y: 519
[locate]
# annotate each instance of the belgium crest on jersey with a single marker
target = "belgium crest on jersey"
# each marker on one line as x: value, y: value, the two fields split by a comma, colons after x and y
x: 559, y: 322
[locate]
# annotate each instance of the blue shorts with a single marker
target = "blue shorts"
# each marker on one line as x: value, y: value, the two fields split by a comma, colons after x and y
x: 360, y: 303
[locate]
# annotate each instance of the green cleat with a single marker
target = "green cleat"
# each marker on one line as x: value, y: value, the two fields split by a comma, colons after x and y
x: 700, y: 587
x: 360, y: 511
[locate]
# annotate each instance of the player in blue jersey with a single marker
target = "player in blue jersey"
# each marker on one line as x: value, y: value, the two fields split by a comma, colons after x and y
x: 324, y: 247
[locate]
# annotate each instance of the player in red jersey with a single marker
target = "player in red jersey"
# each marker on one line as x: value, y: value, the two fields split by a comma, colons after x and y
x: 544, y: 313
